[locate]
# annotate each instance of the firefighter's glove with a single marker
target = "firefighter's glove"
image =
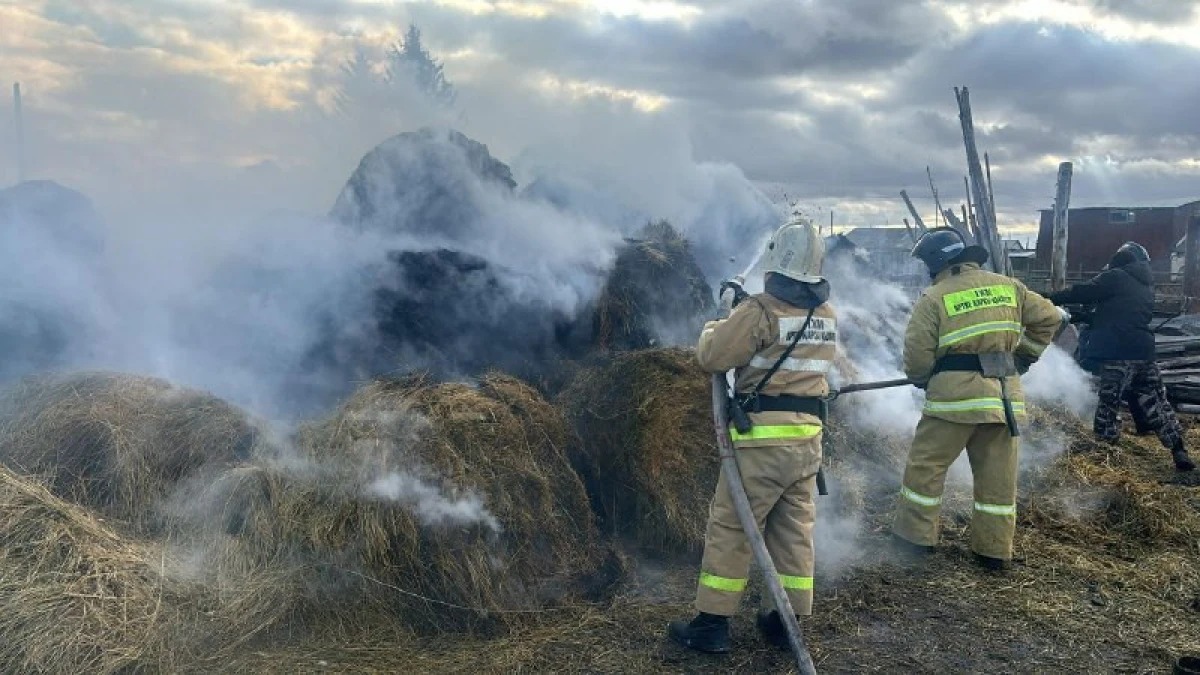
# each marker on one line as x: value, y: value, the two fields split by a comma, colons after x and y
x: 1024, y: 363
x: 731, y: 294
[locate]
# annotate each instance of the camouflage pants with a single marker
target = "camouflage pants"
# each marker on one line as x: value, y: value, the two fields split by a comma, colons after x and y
x: 1139, y: 385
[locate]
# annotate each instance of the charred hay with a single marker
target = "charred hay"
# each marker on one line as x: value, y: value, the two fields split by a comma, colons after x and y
x: 655, y: 293
x: 120, y: 444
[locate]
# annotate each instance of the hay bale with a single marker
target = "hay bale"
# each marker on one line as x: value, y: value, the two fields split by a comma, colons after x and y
x: 75, y: 597
x: 656, y: 293
x: 436, y: 506
x: 118, y: 443
x: 648, y: 455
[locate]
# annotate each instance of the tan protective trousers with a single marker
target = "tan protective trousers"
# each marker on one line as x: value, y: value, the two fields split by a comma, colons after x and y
x: 780, y: 483
x: 993, y: 456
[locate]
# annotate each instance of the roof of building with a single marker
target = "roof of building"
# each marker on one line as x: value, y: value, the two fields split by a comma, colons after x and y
x: 1137, y: 206
x: 877, y: 238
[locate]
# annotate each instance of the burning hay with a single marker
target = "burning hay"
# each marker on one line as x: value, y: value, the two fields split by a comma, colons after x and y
x: 434, y: 506
x: 75, y: 597
x: 118, y: 443
x: 655, y: 293
x: 649, y: 457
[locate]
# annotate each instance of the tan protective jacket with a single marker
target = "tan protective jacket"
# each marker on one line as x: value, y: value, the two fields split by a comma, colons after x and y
x: 971, y: 311
x: 751, y: 340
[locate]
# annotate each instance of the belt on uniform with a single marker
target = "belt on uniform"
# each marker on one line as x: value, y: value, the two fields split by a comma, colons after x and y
x: 958, y: 363
x: 809, y: 405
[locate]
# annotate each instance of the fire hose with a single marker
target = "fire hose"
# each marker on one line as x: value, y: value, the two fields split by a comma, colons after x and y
x: 741, y: 504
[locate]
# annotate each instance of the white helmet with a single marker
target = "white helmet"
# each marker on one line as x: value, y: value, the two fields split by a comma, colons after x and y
x: 795, y: 251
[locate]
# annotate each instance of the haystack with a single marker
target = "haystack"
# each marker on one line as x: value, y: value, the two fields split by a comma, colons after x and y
x: 118, y: 443
x: 75, y: 597
x: 648, y: 453
x: 429, y: 506
x: 656, y: 293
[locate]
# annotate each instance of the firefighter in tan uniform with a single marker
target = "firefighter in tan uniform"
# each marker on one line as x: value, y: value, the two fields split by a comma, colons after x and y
x: 970, y: 336
x: 781, y: 344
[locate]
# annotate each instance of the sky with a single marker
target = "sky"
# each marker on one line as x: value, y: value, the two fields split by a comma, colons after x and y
x: 215, y: 108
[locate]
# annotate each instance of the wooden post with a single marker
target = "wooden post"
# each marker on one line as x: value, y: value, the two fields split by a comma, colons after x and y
x: 912, y: 234
x: 1058, y: 249
x: 984, y: 211
x: 912, y: 210
x: 987, y: 164
x: 1191, y: 266
x: 20, y: 140
x: 953, y: 221
x: 937, y: 202
x: 741, y: 505
x: 969, y: 216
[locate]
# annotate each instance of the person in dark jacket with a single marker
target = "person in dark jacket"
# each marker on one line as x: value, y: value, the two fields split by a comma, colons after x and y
x: 1119, y: 348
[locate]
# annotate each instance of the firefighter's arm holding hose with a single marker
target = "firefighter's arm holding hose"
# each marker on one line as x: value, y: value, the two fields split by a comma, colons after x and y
x: 730, y: 343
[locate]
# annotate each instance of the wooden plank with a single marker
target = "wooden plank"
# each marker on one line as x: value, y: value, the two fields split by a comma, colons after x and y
x: 920, y: 224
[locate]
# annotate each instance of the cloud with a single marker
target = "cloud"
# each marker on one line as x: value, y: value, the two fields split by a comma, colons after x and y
x: 840, y: 103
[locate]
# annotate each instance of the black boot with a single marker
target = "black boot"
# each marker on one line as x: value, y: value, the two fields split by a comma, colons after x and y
x: 770, y: 624
x: 906, y: 548
x: 1182, y: 461
x: 991, y: 564
x: 708, y: 633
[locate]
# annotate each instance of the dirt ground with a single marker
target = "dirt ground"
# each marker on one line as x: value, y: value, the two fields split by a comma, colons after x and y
x: 1078, y: 600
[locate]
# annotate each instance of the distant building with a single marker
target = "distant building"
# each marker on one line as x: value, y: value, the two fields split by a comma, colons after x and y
x: 1095, y: 233
x: 1021, y: 257
x: 885, y: 252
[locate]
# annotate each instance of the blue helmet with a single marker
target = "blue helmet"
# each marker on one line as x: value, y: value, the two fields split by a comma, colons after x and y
x: 942, y: 247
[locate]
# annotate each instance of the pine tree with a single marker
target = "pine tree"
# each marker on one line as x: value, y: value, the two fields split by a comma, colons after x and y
x: 410, y: 57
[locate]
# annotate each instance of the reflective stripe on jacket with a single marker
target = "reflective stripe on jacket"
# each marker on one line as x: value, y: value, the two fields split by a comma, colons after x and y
x: 751, y: 340
x: 968, y: 310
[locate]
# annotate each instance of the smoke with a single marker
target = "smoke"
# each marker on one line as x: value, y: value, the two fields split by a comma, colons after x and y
x: 432, y: 507
x: 1057, y: 380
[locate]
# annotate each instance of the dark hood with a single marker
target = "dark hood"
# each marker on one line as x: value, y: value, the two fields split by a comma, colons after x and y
x: 797, y: 293
x: 1139, y: 270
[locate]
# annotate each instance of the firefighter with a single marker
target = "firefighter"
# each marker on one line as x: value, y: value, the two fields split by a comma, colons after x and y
x: 970, y: 336
x: 781, y: 343
x: 1120, y: 350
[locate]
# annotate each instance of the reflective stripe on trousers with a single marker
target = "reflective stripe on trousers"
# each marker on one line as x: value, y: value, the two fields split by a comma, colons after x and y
x: 722, y: 583
x: 791, y: 583
x: 918, y: 498
x: 997, y: 509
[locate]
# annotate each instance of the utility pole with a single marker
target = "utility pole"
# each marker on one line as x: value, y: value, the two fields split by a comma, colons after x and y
x: 20, y: 140
x: 1058, y: 249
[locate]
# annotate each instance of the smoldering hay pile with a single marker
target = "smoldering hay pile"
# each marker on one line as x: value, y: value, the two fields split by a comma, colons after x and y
x: 415, y: 506
x: 119, y: 444
x: 655, y: 293
x: 439, y: 506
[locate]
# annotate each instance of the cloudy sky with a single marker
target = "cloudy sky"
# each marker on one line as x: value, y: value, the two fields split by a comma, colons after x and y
x: 155, y: 104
